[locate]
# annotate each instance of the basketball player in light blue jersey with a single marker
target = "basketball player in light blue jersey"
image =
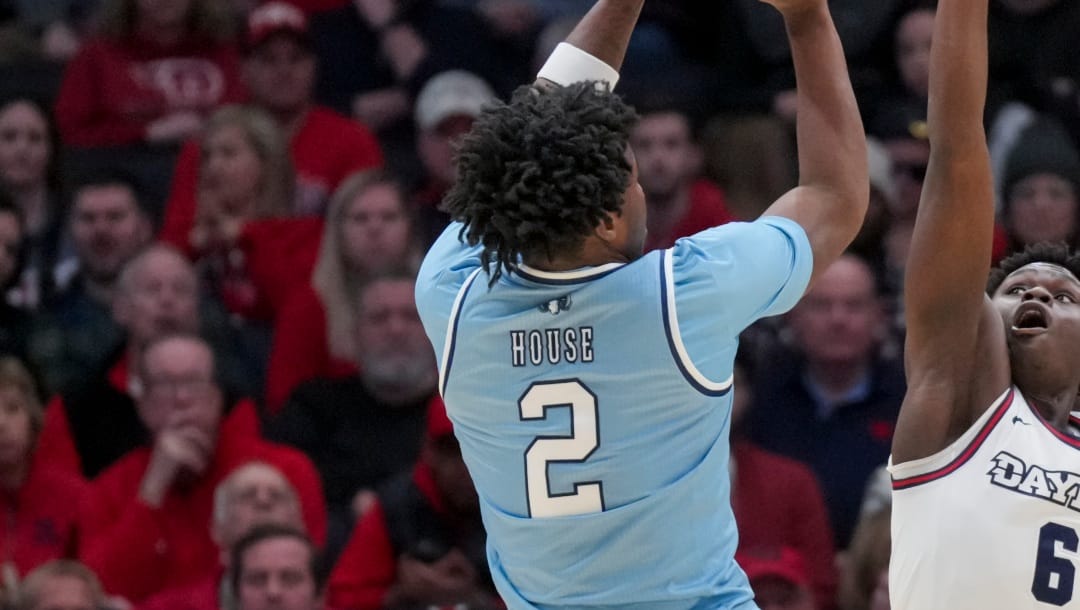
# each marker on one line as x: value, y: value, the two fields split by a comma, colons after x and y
x: 589, y: 384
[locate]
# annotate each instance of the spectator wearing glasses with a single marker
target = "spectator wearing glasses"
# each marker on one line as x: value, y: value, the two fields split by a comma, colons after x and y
x: 145, y: 521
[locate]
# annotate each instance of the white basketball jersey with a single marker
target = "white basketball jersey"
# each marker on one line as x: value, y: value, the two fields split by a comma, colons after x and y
x: 992, y: 521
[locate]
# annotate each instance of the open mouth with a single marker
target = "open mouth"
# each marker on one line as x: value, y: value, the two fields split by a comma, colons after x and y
x: 1032, y: 319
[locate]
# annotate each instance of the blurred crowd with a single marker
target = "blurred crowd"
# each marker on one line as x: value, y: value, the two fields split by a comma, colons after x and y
x: 215, y: 391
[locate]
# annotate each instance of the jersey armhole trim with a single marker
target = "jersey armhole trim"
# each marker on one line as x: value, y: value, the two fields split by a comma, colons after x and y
x: 451, y: 333
x: 671, y: 329
x: 900, y: 484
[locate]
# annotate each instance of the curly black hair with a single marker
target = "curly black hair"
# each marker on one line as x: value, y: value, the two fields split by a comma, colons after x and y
x: 1054, y: 253
x: 536, y: 175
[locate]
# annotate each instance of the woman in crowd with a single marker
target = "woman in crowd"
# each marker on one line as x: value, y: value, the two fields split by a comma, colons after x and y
x: 157, y: 69
x: 28, y: 171
x: 369, y: 230
x: 251, y: 252
x: 39, y: 503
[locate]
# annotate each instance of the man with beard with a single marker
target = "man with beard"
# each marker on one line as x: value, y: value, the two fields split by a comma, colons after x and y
x: 361, y: 430
x: 680, y: 202
x: 76, y: 331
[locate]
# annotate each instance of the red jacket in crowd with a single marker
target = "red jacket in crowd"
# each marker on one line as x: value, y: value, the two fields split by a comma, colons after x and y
x: 272, y: 258
x: 326, y: 149
x: 300, y: 351
x: 39, y: 520
x: 367, y: 567
x: 707, y: 209
x: 203, y: 595
x: 56, y: 445
x: 778, y: 503
x: 113, y: 89
x: 138, y: 551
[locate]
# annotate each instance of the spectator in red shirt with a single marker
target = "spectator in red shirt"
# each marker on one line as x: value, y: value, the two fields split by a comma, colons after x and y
x: 680, y: 202
x: 252, y: 254
x: 777, y: 501
x: 254, y: 494
x: 157, y: 70
x: 422, y: 543
x: 325, y: 147
x: 145, y: 519
x: 369, y: 231
x: 779, y: 579
x: 39, y: 503
x: 61, y: 585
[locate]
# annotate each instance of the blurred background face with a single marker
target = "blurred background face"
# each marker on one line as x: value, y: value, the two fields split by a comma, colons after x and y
x: 179, y: 388
x: 910, y: 158
x: 163, y: 13
x: 16, y: 435
x: 375, y: 229
x: 232, y: 170
x: 256, y: 494
x: 436, y: 148
x: 64, y: 593
x: 1042, y: 207
x: 24, y: 146
x: 394, y: 350
x: 666, y: 155
x: 280, y: 74
x: 913, y: 36
x: 840, y: 318
x: 276, y: 575
x: 161, y: 297
x: 11, y: 238
x: 107, y: 229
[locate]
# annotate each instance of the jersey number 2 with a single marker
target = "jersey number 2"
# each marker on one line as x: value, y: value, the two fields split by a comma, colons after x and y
x: 575, y: 447
x: 1054, y: 575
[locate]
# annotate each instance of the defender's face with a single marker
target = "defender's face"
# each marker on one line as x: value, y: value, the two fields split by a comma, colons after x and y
x: 1040, y: 307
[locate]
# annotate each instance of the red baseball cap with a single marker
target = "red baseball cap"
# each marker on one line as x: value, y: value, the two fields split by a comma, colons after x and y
x: 785, y: 563
x: 276, y: 18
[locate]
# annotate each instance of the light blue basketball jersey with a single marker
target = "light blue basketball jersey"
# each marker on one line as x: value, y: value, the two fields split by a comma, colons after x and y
x: 593, y: 410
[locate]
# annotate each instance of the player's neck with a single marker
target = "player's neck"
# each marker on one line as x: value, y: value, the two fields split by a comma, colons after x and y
x: 595, y: 252
x: 1054, y: 407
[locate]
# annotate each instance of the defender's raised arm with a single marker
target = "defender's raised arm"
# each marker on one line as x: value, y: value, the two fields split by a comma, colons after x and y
x: 831, y: 199
x: 944, y: 296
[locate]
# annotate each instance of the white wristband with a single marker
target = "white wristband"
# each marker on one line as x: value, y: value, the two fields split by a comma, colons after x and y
x: 569, y: 64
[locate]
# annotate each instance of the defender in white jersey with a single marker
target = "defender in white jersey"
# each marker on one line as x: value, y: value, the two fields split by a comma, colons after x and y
x: 589, y: 385
x: 985, y: 464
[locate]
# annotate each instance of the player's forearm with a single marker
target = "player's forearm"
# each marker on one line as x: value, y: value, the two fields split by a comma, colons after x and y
x: 831, y: 140
x: 605, y: 31
x: 958, y: 76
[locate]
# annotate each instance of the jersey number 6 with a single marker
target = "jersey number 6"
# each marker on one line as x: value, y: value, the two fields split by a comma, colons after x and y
x: 576, y: 447
x: 1055, y: 575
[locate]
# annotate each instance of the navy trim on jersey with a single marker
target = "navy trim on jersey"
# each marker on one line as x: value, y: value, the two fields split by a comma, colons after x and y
x: 682, y: 361
x: 566, y: 278
x: 965, y: 455
x: 451, y: 339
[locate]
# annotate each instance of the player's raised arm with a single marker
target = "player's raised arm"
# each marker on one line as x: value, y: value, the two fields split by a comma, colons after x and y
x: 602, y: 35
x: 944, y: 296
x: 830, y: 201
